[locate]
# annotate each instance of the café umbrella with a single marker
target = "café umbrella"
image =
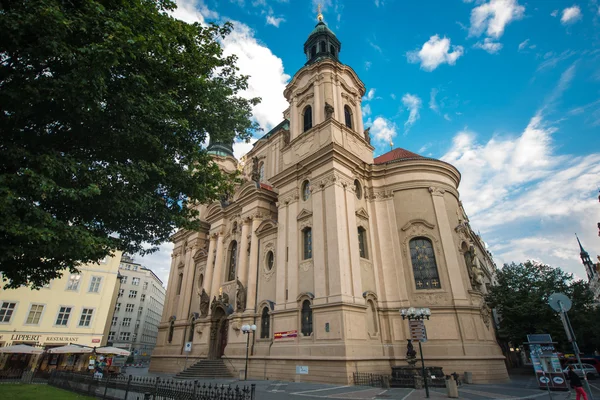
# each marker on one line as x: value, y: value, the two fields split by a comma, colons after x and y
x: 21, y: 349
x: 70, y: 349
x: 112, y: 350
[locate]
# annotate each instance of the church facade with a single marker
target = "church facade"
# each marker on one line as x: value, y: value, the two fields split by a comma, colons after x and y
x: 323, y: 245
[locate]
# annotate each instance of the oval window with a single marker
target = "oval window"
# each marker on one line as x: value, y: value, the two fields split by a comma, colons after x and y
x: 305, y: 190
x: 270, y: 260
x: 357, y: 189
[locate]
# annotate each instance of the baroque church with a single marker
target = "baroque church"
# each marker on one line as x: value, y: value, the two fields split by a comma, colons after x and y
x: 323, y: 245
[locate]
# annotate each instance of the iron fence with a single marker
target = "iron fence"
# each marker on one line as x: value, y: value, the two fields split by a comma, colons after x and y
x: 23, y: 376
x: 366, y: 379
x: 144, y: 388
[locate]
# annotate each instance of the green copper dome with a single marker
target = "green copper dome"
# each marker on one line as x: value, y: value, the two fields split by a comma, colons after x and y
x: 321, y: 43
x: 219, y: 148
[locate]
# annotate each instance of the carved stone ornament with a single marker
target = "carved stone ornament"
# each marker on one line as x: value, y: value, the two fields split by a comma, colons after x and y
x: 268, y: 273
x: 286, y: 137
x: 486, y: 314
x: 305, y: 223
x: 240, y: 297
x: 255, y: 176
x: 433, y: 299
x: 204, y: 303
x: 436, y: 191
x: 329, y: 110
x: 367, y: 134
x: 421, y: 228
x: 306, y: 265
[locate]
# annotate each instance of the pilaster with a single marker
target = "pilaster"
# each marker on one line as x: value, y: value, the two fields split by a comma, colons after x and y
x: 293, y: 257
x: 218, y: 270
x: 282, y: 222
x: 253, y: 263
x: 352, y: 238
x: 210, y: 264
x: 187, y: 287
x: 319, y: 228
x: 243, y: 257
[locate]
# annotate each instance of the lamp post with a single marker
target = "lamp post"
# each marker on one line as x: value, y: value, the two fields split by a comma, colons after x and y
x: 247, y: 329
x: 418, y: 314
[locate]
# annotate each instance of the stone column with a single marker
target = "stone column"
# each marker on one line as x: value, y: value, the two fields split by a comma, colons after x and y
x: 281, y: 261
x: 292, y: 264
x: 207, y: 284
x: 170, y: 294
x: 187, y: 284
x: 253, y: 267
x: 218, y: 270
x: 319, y: 227
x: 318, y: 104
x: 459, y: 294
x: 353, y: 253
x: 294, y: 119
x: 339, y: 108
x: 242, y: 271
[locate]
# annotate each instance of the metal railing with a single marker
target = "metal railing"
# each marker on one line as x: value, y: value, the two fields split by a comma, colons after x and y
x: 23, y: 376
x: 366, y: 379
x: 144, y: 388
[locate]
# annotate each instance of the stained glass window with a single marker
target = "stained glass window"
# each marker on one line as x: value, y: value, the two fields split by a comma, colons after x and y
x: 423, y: 263
x: 307, y: 238
x: 232, y: 260
x: 305, y: 190
x: 307, y: 327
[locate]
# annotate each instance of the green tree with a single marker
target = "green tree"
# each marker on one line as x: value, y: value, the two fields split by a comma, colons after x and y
x: 521, y: 299
x: 105, y: 105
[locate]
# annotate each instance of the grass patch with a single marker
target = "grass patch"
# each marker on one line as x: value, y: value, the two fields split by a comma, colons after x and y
x: 30, y: 392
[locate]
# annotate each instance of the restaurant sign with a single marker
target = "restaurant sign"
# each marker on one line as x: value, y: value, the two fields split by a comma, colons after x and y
x: 43, y: 339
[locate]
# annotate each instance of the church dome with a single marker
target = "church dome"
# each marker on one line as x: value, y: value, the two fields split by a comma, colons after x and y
x: 321, y: 43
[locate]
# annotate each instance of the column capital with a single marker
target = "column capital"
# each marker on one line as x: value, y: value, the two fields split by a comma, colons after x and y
x: 436, y: 191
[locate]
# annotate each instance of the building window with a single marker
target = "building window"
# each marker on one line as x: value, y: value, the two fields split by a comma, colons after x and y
x: 63, y: 316
x: 124, y: 335
x: 232, y: 261
x: 265, y: 324
x: 86, y: 317
x: 307, y: 118
x: 171, y: 329
x: 117, y: 307
x: 35, y: 313
x: 307, y: 326
x: 179, y: 283
x: 362, y: 242
x: 115, y: 321
x: 348, y: 116
x: 142, y: 297
x: 322, y: 47
x: 124, y: 279
x: 132, y: 294
x: 135, y: 281
x: 145, y: 286
x: 6, y: 311
x: 73, y: 283
x: 95, y: 284
x: 140, y: 310
x: 307, y: 243
x: 129, y: 307
x: 135, y: 267
x: 126, y: 322
x: 332, y: 49
x: 423, y: 263
x: 305, y: 190
x: 270, y: 260
x: 121, y: 291
x: 111, y: 336
x: 357, y: 189
x: 313, y: 51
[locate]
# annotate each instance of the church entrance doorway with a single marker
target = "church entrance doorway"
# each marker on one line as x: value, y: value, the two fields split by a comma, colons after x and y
x: 218, y: 334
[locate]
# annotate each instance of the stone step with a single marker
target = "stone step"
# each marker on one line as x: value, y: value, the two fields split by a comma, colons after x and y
x: 205, y: 369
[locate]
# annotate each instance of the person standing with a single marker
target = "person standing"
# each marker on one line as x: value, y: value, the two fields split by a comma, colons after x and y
x: 576, y: 384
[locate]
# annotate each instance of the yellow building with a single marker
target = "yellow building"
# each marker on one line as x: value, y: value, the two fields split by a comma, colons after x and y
x: 76, y: 308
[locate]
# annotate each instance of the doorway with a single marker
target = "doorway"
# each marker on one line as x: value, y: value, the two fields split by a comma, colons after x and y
x: 219, y: 328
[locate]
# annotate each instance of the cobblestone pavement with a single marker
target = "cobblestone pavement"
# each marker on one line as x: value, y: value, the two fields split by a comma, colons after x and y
x: 520, y: 387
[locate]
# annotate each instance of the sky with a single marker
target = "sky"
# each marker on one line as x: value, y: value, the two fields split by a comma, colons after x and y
x: 507, y: 91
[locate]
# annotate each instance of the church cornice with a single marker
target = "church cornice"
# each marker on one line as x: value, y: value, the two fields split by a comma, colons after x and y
x: 417, y: 164
x: 317, y: 68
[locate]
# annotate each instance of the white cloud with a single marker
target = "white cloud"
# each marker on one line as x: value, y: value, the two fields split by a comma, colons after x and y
x: 367, y: 65
x: 493, y: 16
x: 523, y: 44
x: 489, y: 45
x: 275, y: 21
x: 366, y: 110
x: 570, y: 15
x: 424, y: 148
x: 370, y: 95
x: 241, y: 148
x: 554, y: 13
x: 393, y: 96
x: 382, y: 130
x: 412, y: 104
x: 434, y: 52
x: 432, y: 102
x: 159, y: 262
x: 563, y: 84
x: 447, y: 117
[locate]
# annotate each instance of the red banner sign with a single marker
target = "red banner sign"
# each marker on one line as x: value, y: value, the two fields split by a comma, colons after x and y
x: 284, y: 335
x: 95, y: 340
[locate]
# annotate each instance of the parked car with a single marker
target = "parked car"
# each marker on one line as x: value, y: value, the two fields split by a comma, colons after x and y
x: 588, y: 369
x: 592, y: 361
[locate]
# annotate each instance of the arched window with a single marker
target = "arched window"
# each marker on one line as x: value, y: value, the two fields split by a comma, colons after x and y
x: 307, y: 325
x: 307, y: 118
x: 179, y: 283
x: 423, y: 263
x: 305, y: 190
x: 332, y: 49
x: 171, y: 329
x: 307, y: 243
x: 362, y: 242
x: 371, y: 318
x: 313, y: 51
x: 200, y: 281
x: 357, y: 189
x: 323, y: 47
x: 191, y: 334
x: 348, y: 116
x: 265, y: 324
x: 232, y: 261
x: 261, y: 171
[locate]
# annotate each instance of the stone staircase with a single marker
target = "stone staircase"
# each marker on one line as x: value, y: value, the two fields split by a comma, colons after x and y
x: 214, y: 369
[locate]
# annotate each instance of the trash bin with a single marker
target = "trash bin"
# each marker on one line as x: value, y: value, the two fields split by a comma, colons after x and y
x: 468, y: 378
x: 451, y: 387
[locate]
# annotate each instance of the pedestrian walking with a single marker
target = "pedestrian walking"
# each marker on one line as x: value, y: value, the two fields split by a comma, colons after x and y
x: 576, y: 384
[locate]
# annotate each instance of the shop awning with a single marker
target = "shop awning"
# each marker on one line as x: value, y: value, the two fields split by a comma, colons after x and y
x: 70, y: 349
x: 21, y: 349
x: 112, y: 350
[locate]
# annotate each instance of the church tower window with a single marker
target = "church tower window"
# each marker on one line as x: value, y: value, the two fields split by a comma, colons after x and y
x: 362, y: 242
x: 305, y: 190
x: 323, y: 47
x: 232, y: 261
x: 307, y: 243
x: 357, y: 189
x: 307, y: 118
x: 265, y: 324
x: 423, y: 263
x: 348, y: 116
x: 179, y: 283
x: 313, y: 51
x: 307, y: 325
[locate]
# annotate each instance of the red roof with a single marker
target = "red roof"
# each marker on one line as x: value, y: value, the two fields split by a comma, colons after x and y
x: 396, y: 154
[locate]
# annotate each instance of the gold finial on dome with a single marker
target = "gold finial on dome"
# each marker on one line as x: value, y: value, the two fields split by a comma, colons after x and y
x: 319, y: 15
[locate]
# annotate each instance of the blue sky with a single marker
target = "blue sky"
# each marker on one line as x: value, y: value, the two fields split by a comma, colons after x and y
x: 508, y: 91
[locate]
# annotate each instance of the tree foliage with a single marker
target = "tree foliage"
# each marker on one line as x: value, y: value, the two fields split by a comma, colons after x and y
x: 521, y: 299
x: 105, y: 106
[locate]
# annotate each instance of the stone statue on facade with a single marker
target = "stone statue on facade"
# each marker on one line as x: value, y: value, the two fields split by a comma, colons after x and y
x: 240, y: 297
x: 411, y: 354
x: 255, y: 176
x: 476, y: 273
x: 329, y: 110
x: 204, y: 303
x: 367, y: 134
x: 286, y: 137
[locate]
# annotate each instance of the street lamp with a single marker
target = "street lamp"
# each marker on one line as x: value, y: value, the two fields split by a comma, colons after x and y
x: 418, y: 314
x: 247, y: 329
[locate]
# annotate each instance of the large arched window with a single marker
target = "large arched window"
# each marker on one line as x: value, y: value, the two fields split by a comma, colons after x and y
x: 307, y: 325
x: 362, y: 242
x: 265, y: 324
x: 423, y: 263
x: 307, y: 118
x: 348, y: 116
x: 232, y: 261
x: 323, y: 47
x: 313, y: 51
x: 179, y: 283
x: 307, y: 243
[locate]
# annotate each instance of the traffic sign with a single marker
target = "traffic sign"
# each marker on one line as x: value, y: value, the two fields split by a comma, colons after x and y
x: 417, y: 330
x: 556, y: 300
x: 188, y: 346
